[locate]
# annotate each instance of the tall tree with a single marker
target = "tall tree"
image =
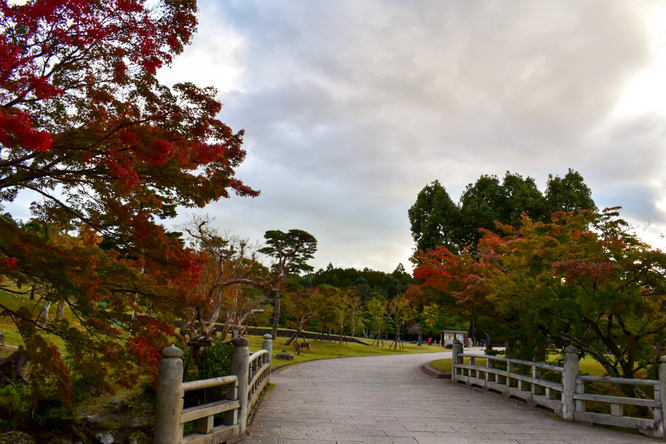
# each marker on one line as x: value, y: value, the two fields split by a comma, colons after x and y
x: 437, y: 221
x: 86, y: 126
x: 488, y: 201
x: 568, y: 193
x: 290, y: 252
x: 482, y: 203
x: 434, y: 219
x: 522, y: 196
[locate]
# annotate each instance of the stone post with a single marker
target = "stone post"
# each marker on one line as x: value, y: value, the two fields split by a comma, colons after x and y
x: 662, y: 394
x: 456, y: 349
x: 268, y: 346
x: 240, y: 359
x: 169, y: 404
x: 569, y: 377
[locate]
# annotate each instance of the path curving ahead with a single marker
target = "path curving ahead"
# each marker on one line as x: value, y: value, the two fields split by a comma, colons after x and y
x: 388, y: 399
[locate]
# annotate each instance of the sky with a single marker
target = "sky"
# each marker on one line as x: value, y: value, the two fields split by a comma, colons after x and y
x: 351, y: 107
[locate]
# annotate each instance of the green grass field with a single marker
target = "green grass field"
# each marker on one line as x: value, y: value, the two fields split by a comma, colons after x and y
x: 330, y: 349
x: 14, y: 302
x: 587, y: 365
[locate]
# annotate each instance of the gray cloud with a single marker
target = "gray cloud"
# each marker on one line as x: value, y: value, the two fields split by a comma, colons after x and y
x: 350, y: 108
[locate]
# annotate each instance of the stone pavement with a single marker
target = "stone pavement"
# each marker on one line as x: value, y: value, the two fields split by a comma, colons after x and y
x: 388, y: 399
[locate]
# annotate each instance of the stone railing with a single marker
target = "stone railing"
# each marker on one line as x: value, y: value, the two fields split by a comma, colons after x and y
x: 259, y: 375
x: 250, y: 376
x: 563, y: 390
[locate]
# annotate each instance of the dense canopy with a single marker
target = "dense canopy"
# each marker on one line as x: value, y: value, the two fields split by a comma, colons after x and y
x: 106, y: 151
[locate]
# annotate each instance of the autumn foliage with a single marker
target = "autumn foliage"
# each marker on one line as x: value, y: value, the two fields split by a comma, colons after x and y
x: 106, y: 152
x: 582, y: 279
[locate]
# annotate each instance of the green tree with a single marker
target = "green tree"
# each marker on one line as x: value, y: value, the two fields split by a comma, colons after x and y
x: 355, y: 307
x: 290, y: 252
x: 568, y: 193
x: 401, y: 313
x: 521, y: 196
x: 376, y: 310
x: 365, y: 281
x: 482, y: 203
x: 342, y: 309
x: 434, y: 219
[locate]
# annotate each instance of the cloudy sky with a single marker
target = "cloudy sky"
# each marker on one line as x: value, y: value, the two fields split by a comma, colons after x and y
x: 351, y: 107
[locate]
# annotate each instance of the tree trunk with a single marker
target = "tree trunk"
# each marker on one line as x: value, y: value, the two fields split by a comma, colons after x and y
x: 43, y: 317
x: 60, y: 314
x: 294, y: 336
x: 541, y: 352
x: 276, y: 315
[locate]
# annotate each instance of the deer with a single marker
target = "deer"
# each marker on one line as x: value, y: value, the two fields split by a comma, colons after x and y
x: 298, y: 346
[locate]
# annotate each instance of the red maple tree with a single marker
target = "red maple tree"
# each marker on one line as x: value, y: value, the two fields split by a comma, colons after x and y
x: 87, y: 127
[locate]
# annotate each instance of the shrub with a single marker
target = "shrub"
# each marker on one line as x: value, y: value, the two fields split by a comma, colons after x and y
x: 14, y: 411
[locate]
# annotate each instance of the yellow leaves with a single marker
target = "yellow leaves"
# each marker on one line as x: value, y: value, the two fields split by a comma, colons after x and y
x: 89, y: 238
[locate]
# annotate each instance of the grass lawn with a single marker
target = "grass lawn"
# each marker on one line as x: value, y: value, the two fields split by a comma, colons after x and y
x: 330, y: 349
x: 587, y: 365
x: 442, y: 365
x: 14, y: 302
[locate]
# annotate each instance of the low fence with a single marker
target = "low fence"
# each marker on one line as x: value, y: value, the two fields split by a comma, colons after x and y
x: 250, y: 376
x: 563, y: 389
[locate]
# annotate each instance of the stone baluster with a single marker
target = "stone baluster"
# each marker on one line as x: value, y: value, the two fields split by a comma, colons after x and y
x: 169, y: 403
x: 456, y: 350
x: 240, y: 359
x: 268, y: 346
x: 569, y: 379
x: 662, y: 395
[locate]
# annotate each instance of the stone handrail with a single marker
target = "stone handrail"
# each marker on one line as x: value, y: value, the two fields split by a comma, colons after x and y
x: 564, y: 390
x: 527, y: 385
x: 250, y: 376
x: 259, y: 374
x: 649, y: 426
x: 203, y: 414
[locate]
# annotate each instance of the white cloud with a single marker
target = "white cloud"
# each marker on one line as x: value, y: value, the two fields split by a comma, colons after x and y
x: 350, y: 108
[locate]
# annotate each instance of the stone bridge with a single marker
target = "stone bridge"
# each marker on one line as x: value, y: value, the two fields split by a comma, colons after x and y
x: 388, y: 399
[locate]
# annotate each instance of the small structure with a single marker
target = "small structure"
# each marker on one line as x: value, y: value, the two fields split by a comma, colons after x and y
x: 448, y: 336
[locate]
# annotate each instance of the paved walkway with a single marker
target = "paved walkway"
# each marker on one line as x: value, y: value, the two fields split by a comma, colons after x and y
x: 388, y: 399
